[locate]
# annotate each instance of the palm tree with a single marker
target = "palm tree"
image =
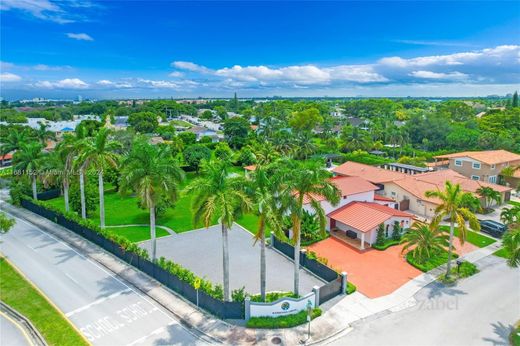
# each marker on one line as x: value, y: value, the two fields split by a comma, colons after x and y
x: 451, y: 206
x: 263, y: 188
x: 305, y: 181
x: 42, y: 134
x: 489, y: 195
x: 99, y: 153
x: 13, y: 141
x: 510, y: 216
x: 355, y: 138
x: 424, y: 241
x: 217, y: 195
x: 511, y: 244
x: 29, y: 159
x: 67, y: 150
x: 154, y: 175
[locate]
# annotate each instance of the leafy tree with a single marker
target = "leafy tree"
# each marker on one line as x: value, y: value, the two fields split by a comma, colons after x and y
x: 236, y: 131
x: 6, y: 223
x: 223, y: 152
x: 188, y: 138
x: 218, y: 196
x: 88, y: 127
x: 457, y: 110
x: 153, y: 174
x: 305, y: 120
x: 90, y: 198
x: 514, y: 103
x: 29, y: 159
x: 304, y: 180
x: 206, y: 115
x: 424, y: 241
x: 221, y: 112
x: 451, y: 207
x: 195, y: 154
x: 246, y: 157
x: 354, y: 138
x: 144, y: 122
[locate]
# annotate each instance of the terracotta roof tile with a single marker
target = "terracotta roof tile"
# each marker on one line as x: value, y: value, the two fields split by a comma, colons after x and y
x: 372, y: 174
x: 348, y: 186
x: 490, y: 157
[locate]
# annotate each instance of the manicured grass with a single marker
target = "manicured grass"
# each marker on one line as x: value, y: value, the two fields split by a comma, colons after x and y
x: 432, y: 263
x: 137, y: 233
x: 388, y: 242
x: 474, y: 238
x: 124, y: 210
x: 282, y: 321
x: 181, y: 123
x: 501, y: 253
x: 466, y: 269
x: 23, y: 297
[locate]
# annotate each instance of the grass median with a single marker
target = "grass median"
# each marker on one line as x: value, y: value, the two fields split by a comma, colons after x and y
x: 22, y: 296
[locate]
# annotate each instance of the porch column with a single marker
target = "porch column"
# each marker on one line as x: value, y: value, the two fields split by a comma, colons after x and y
x: 362, y: 240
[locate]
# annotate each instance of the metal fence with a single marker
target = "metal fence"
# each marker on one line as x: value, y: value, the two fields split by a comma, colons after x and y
x: 50, y: 194
x: 226, y: 310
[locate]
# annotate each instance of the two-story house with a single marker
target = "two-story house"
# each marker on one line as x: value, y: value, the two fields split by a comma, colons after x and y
x: 481, y: 165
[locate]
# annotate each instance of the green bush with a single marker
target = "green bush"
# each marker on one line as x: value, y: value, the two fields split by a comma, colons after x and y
x: 91, y: 198
x: 272, y: 296
x: 282, y: 321
x: 239, y: 295
x: 436, y: 260
x: 18, y: 190
x: 466, y: 269
x: 386, y: 244
x: 380, y: 236
x: 351, y: 288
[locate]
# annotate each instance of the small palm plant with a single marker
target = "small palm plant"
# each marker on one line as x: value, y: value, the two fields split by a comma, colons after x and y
x: 511, y: 245
x: 424, y: 241
x: 154, y: 175
x: 217, y: 195
x: 490, y: 195
x: 451, y: 207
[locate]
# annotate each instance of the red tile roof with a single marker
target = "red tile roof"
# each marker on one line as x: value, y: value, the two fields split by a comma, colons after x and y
x: 6, y: 157
x: 382, y: 198
x: 490, y: 157
x: 250, y: 167
x: 365, y: 216
x: 347, y: 185
x: 372, y: 174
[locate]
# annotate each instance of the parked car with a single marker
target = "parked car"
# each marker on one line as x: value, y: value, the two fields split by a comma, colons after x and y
x: 493, y: 228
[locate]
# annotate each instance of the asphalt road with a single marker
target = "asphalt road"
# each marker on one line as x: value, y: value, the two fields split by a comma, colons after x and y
x: 11, y: 334
x: 103, y: 307
x: 480, y: 310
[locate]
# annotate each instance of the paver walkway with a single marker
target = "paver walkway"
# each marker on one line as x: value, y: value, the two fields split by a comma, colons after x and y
x: 375, y: 273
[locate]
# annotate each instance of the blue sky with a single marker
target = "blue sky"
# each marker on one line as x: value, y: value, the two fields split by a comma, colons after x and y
x: 118, y: 49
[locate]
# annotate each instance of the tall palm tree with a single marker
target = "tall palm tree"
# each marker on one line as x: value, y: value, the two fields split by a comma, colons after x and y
x: 67, y: 150
x: 42, y: 134
x: 305, y: 181
x: 153, y: 174
x: 13, y: 140
x: 511, y: 244
x: 98, y: 152
x: 29, y: 160
x: 490, y: 195
x: 355, y: 138
x: 451, y: 207
x: 217, y: 195
x: 263, y: 188
x: 511, y: 216
x: 424, y: 241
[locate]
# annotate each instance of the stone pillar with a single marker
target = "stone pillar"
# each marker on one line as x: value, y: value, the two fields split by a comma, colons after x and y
x: 343, y: 282
x: 247, y: 307
x: 316, y: 290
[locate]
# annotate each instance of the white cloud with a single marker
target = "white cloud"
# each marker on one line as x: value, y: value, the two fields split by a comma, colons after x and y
x: 189, y: 66
x: 9, y: 77
x: 438, y: 75
x: 79, y: 36
x: 41, y: 9
x: 43, y: 67
x: 6, y: 65
x: 67, y: 83
x: 176, y: 74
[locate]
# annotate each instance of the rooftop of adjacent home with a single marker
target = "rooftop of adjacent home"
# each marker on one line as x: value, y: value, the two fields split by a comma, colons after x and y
x: 490, y: 157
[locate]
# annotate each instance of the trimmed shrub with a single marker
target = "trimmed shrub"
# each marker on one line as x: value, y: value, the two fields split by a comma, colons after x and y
x: 282, y: 321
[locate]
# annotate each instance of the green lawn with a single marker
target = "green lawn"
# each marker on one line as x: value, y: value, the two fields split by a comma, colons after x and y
x: 181, y: 123
x: 474, y: 238
x: 501, y: 253
x: 124, y: 210
x: 23, y: 297
x: 436, y: 260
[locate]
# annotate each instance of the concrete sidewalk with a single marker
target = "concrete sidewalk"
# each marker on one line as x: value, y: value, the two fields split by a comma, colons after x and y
x: 339, y: 313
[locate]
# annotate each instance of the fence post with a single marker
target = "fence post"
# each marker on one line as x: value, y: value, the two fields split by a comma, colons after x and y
x: 316, y: 290
x: 272, y: 240
x: 303, y: 257
x: 247, y: 307
x: 343, y: 282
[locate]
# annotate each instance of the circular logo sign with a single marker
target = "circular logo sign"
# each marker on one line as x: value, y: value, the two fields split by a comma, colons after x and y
x: 285, y: 306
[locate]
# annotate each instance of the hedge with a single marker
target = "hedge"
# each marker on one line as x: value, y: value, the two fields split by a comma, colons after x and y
x: 351, y: 288
x: 287, y: 321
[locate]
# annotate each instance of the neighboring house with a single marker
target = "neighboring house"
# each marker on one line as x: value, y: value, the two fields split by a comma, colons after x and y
x: 481, y: 165
x: 201, y: 131
x: 406, y: 169
x: 409, y: 190
x: 6, y: 160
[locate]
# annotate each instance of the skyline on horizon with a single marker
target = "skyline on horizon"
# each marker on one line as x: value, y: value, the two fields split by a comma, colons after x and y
x: 106, y: 50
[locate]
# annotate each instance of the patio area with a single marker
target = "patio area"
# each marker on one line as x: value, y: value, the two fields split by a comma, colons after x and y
x: 201, y: 252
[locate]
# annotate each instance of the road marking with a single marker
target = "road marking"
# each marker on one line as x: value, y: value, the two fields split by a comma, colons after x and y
x: 24, y: 333
x: 96, y: 302
x: 72, y: 279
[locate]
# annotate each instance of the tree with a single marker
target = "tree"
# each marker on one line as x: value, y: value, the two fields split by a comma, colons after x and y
x: 13, y: 141
x: 152, y: 173
x: 354, y: 138
x: 305, y: 181
x: 66, y: 152
x: 263, y: 189
x: 98, y: 152
x: 397, y: 231
x: 514, y: 103
x: 511, y: 216
x: 380, y: 236
x: 305, y: 120
x: 195, y: 154
x: 424, y: 241
x: 188, y: 138
x: 6, y: 223
x: 42, y: 134
x: 490, y: 195
x: 236, y: 131
x: 206, y: 115
x: 144, y: 122
x: 83, y: 199
x: 511, y: 245
x: 451, y: 206
x: 218, y: 196
x: 29, y: 160
x: 223, y: 152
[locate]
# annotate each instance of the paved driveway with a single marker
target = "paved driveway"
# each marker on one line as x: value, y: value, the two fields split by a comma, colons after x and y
x: 201, y: 251
x: 375, y: 273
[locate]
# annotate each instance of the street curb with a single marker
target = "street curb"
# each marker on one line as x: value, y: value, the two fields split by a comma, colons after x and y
x: 24, y: 323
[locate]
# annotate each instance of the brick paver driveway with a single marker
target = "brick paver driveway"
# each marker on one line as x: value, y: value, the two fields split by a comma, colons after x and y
x: 375, y: 273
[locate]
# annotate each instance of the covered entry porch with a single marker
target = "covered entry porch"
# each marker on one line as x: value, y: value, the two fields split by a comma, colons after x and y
x: 354, y: 238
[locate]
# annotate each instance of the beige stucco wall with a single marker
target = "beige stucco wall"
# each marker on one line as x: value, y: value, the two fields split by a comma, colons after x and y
x: 484, y: 173
x: 422, y: 207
